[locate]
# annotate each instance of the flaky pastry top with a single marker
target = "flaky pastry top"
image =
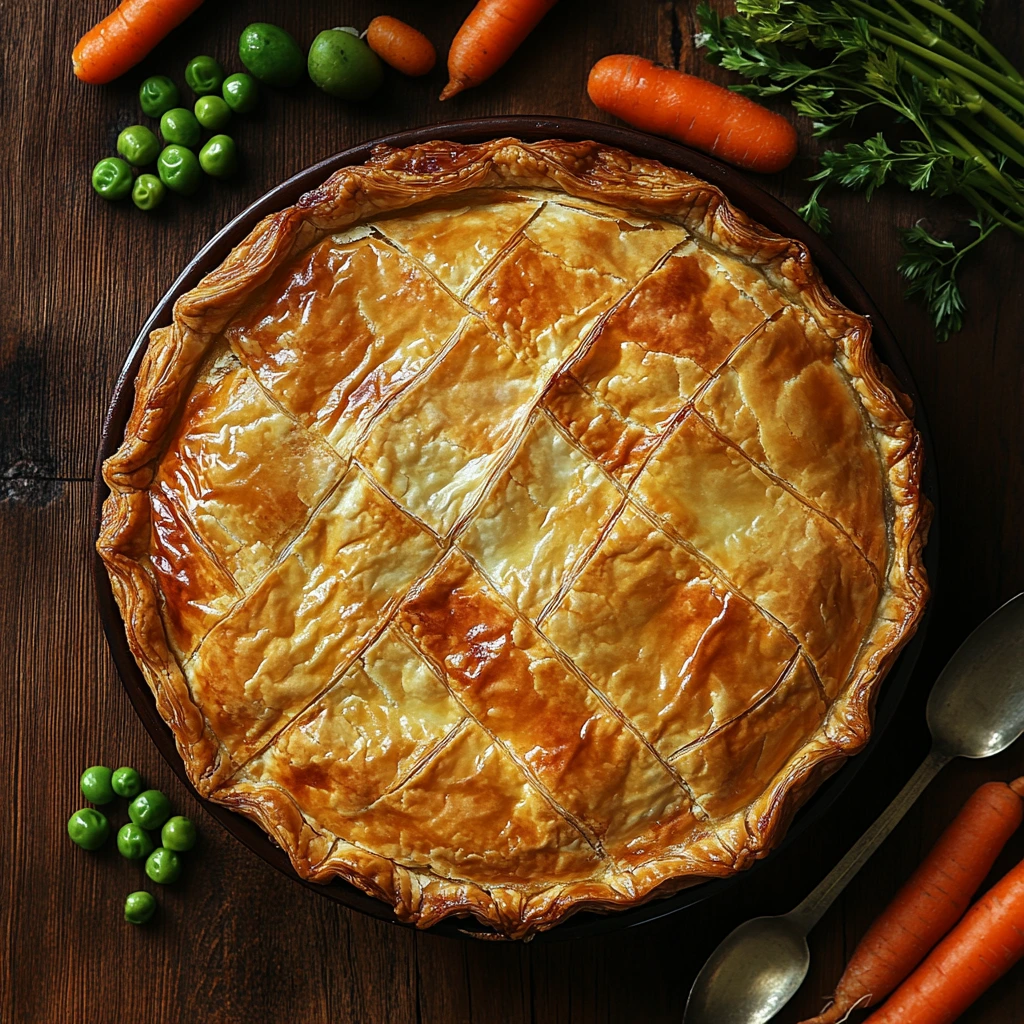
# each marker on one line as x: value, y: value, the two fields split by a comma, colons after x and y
x: 515, y: 528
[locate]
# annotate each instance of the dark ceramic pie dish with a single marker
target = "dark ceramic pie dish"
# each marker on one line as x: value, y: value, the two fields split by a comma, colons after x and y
x: 746, y: 196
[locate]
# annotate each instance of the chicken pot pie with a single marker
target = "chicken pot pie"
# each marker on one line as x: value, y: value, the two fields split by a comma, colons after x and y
x: 515, y: 529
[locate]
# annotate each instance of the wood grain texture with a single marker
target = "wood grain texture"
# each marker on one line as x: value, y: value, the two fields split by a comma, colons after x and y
x: 235, y: 941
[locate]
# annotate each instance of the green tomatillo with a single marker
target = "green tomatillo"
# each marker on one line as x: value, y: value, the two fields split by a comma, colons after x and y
x: 270, y: 54
x: 343, y: 65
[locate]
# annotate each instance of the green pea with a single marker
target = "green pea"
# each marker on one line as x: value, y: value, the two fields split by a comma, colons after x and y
x: 241, y: 93
x: 178, y: 834
x: 148, y: 193
x: 133, y: 843
x: 212, y: 112
x: 139, y: 907
x: 157, y: 95
x: 138, y: 145
x: 88, y: 828
x: 95, y: 784
x: 127, y: 782
x: 343, y: 65
x: 218, y: 157
x: 180, y: 127
x: 151, y: 809
x: 179, y: 171
x: 204, y: 75
x: 271, y: 54
x: 163, y: 866
x: 112, y: 178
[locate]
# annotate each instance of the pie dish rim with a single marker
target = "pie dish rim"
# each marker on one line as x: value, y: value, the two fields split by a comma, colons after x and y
x: 590, y: 130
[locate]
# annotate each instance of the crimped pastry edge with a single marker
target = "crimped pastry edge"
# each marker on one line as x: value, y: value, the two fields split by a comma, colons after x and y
x: 392, y: 180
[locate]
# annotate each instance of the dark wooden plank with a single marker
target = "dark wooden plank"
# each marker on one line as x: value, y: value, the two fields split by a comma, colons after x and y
x: 236, y: 941
x: 442, y: 975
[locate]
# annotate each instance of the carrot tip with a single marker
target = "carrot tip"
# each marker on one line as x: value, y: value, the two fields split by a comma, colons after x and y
x: 453, y: 88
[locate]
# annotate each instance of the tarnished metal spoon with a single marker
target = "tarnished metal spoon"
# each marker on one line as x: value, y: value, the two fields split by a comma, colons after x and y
x: 976, y: 709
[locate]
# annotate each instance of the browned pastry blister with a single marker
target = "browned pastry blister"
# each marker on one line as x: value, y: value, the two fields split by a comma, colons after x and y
x: 515, y: 529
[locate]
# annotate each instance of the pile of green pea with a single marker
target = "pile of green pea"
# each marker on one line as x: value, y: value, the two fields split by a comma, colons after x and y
x: 177, y: 166
x: 149, y: 810
x: 339, y: 62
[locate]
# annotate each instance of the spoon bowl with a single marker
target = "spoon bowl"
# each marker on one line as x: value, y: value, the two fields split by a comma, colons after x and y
x: 975, y: 709
x: 753, y: 973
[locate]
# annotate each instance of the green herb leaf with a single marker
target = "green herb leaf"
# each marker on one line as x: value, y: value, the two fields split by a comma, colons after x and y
x: 955, y: 105
x: 815, y: 214
x: 931, y: 264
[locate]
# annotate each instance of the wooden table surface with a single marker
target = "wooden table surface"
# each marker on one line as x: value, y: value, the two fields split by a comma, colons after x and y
x: 235, y: 941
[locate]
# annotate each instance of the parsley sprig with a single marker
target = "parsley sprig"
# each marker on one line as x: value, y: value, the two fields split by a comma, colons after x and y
x: 955, y: 103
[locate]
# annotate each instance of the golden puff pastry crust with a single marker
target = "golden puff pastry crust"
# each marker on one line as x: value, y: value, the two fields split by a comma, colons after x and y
x: 513, y: 529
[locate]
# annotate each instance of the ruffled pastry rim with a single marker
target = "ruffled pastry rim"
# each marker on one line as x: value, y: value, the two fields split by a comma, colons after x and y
x: 392, y: 180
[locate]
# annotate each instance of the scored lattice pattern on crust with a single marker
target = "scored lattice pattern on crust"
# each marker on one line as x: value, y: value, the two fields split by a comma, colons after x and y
x: 513, y: 529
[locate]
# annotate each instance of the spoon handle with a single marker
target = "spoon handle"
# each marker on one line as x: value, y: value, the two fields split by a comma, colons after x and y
x: 807, y: 913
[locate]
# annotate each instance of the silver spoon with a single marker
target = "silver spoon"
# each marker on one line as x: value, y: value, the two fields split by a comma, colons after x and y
x: 976, y: 709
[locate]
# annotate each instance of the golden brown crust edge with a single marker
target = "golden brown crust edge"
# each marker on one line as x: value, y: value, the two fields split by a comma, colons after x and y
x: 395, y: 179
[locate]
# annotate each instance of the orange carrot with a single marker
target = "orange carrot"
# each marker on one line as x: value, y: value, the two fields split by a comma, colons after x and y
x: 693, y: 111
x: 123, y: 38
x: 488, y: 37
x: 931, y: 902
x: 977, y: 952
x: 405, y: 48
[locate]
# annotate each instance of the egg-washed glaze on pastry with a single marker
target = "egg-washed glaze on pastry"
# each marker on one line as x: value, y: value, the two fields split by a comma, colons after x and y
x: 513, y: 529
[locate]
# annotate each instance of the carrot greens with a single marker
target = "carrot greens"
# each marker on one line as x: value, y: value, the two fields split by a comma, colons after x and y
x: 951, y: 103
